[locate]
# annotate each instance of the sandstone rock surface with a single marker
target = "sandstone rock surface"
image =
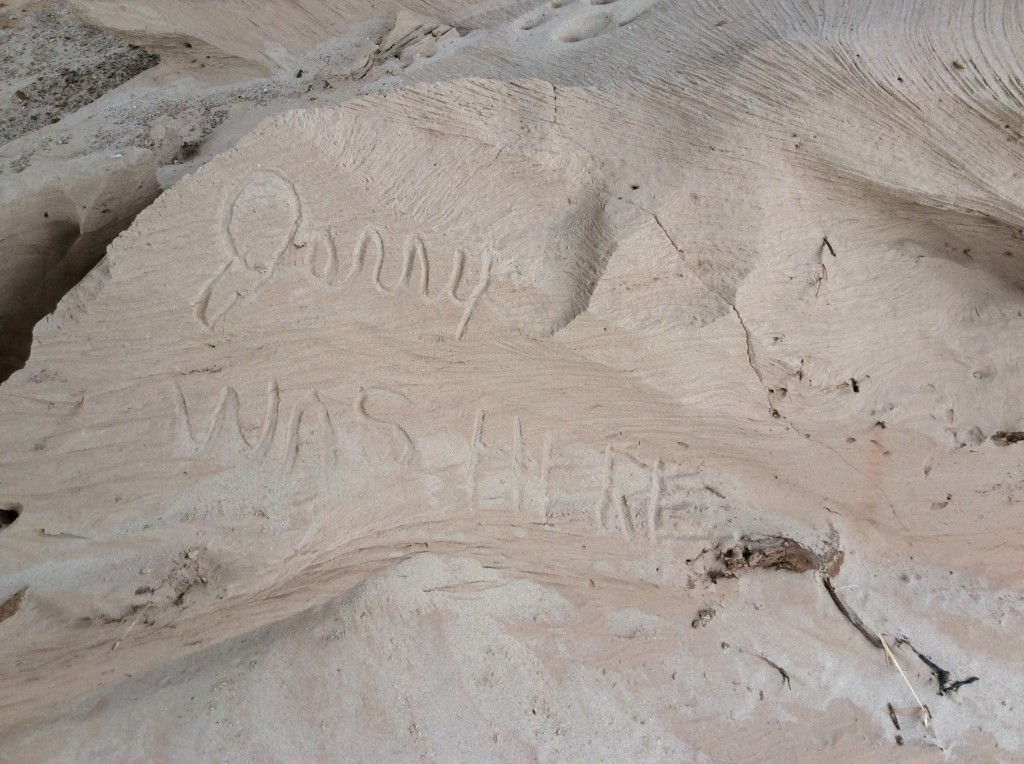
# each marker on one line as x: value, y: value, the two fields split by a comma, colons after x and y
x: 573, y: 404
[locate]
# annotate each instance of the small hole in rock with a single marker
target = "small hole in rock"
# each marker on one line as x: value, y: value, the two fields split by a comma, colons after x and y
x: 8, y: 514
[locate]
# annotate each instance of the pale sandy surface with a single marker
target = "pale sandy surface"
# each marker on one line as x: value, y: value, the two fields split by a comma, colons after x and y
x: 570, y: 381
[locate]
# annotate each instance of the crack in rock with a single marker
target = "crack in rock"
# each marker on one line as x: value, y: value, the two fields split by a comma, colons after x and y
x: 753, y: 365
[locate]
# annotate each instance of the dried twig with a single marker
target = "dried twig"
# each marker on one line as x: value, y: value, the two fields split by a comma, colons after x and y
x: 942, y: 677
x: 850, y: 616
x: 892, y: 716
x: 777, y: 667
x: 1005, y: 438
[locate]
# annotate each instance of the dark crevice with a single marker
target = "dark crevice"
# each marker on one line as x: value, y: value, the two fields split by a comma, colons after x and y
x: 43, y: 263
x: 8, y: 514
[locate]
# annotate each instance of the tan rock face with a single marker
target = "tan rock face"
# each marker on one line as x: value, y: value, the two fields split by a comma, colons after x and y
x: 699, y: 405
x: 56, y: 222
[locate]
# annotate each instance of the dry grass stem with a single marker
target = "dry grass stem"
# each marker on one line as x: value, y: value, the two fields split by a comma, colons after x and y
x: 925, y: 714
